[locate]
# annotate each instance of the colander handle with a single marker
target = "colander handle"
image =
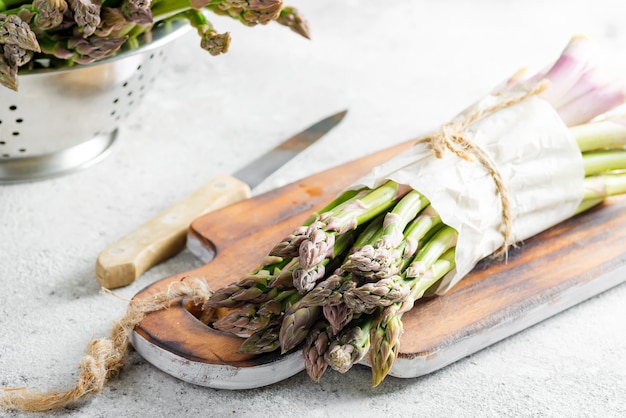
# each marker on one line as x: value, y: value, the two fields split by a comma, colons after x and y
x: 165, y: 235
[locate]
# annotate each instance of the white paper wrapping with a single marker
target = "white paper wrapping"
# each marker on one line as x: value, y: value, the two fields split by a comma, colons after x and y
x: 537, y: 158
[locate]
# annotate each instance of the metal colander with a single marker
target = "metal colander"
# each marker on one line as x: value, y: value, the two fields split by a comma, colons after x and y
x: 64, y: 120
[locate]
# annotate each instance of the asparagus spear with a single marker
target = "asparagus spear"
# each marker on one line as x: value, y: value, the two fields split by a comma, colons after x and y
x: 137, y: 11
x: 391, y: 289
x: 252, y: 318
x: 289, y: 246
x: 210, y: 40
x: 265, y: 341
x: 86, y: 15
x: 8, y: 71
x: 248, y: 12
x: 385, y: 341
x: 605, y: 134
x: 387, y: 327
x: 351, y: 346
x: 331, y: 290
x: 384, y: 257
x: 337, y: 315
x: 78, y: 50
x: 14, y: 31
x: 291, y: 17
x: 598, y: 162
x: 42, y: 15
x: 315, y: 349
x: 253, y: 287
x: 296, y: 324
x: 320, y: 235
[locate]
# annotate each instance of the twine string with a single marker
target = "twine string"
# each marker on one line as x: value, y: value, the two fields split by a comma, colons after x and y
x: 453, y: 137
x: 104, y: 357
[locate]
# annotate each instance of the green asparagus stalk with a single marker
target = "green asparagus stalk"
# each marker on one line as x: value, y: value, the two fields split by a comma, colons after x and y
x: 320, y: 235
x: 253, y: 287
x: 351, y: 346
x: 385, y: 342
x: 8, y: 71
x: 296, y: 325
x: 387, y: 327
x: 599, y: 187
x: 265, y: 341
x: 384, y: 257
x: 291, y: 17
x: 248, y: 12
x: 14, y: 31
x: 598, y: 162
x: 113, y: 23
x: 210, y: 40
x: 17, y: 46
x: 137, y: 11
x: 443, y: 240
x: 605, y: 134
x: 86, y: 15
x: 392, y: 289
x: 289, y: 246
x: 337, y: 315
x: 305, y: 279
x: 331, y: 290
x: 78, y: 50
x: 42, y: 15
x: 252, y: 318
x: 314, y: 350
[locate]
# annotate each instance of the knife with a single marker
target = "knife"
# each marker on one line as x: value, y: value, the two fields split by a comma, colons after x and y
x: 125, y: 260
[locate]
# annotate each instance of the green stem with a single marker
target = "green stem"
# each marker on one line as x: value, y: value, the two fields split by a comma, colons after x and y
x: 372, y: 232
x: 363, y: 208
x: 426, y: 223
x: 599, y: 135
x: 198, y: 20
x: 443, y: 240
x: 605, y: 185
x: 444, y: 264
x: 165, y: 9
x: 406, y: 210
x: 6, y: 5
x: 596, y: 162
x: 342, y: 198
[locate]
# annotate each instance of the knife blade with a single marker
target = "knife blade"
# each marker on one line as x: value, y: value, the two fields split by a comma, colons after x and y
x: 122, y: 262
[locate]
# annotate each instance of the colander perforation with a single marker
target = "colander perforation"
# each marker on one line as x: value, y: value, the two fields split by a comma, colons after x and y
x: 66, y: 119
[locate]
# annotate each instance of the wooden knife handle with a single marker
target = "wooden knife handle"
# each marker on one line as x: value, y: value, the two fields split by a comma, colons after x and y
x: 162, y: 237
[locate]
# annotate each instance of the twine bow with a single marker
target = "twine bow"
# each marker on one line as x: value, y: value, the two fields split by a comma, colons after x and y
x: 452, y: 136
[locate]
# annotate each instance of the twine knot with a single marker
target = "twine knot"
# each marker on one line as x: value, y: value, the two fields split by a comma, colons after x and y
x: 452, y: 136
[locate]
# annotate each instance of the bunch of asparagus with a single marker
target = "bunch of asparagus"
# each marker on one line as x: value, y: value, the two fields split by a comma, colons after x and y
x: 337, y: 287
x: 60, y: 33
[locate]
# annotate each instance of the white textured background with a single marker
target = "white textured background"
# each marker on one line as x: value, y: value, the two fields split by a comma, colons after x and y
x: 400, y: 67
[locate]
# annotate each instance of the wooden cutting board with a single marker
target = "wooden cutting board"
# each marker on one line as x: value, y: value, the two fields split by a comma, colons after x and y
x: 545, y: 275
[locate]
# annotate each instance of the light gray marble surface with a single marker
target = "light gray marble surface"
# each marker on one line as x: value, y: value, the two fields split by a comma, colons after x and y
x: 400, y: 67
